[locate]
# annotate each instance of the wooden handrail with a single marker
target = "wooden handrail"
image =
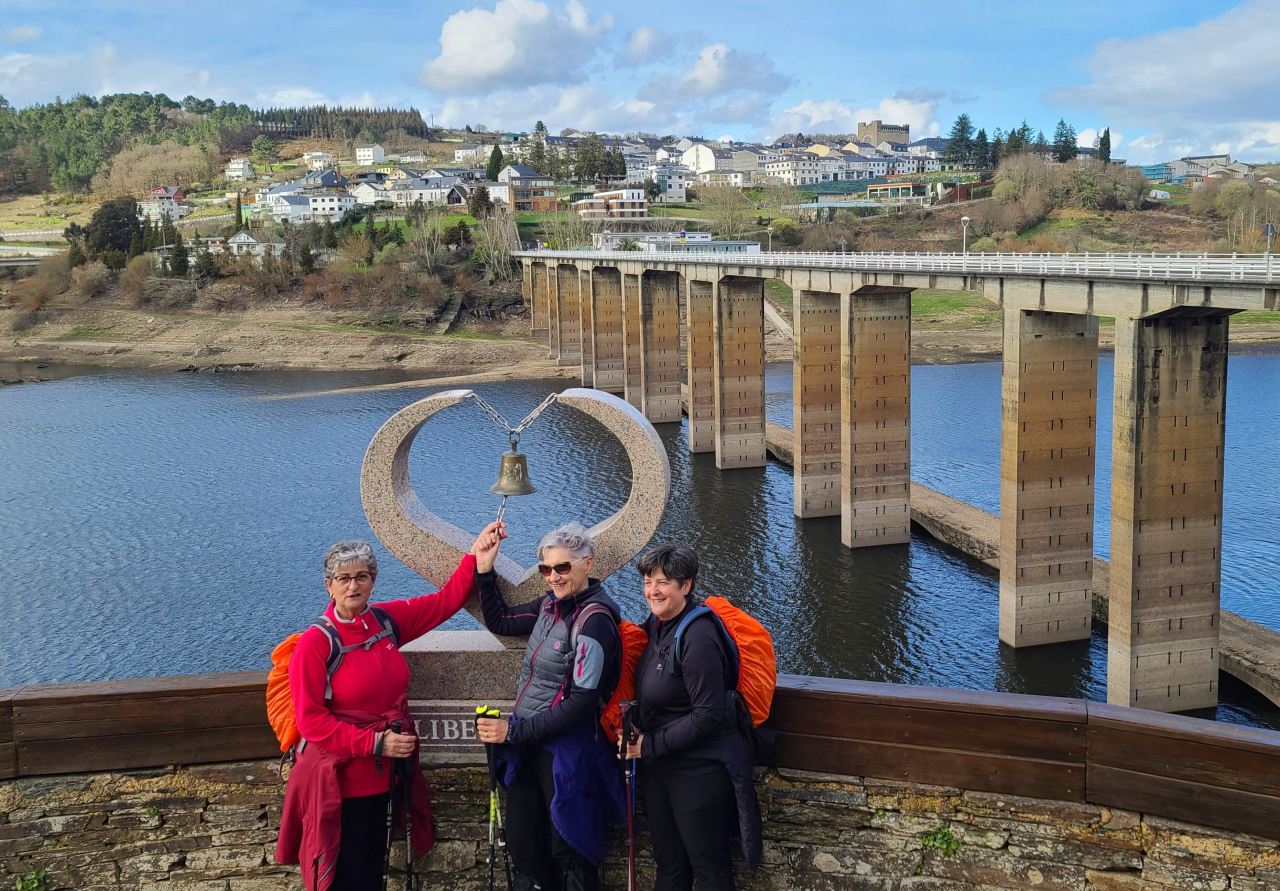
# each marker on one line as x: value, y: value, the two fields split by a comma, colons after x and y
x: 1034, y: 746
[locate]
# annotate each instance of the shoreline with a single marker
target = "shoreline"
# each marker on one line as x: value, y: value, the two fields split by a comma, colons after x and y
x: 293, y: 338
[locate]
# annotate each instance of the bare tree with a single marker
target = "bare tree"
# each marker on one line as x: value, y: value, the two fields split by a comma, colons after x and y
x: 731, y: 214
x: 428, y: 238
x: 496, y: 237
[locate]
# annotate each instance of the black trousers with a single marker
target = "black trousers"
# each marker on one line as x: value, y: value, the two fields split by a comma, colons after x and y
x: 364, y: 844
x: 692, y: 815
x: 536, y: 847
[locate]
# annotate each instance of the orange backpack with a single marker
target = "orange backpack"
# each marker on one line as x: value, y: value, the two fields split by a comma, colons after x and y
x: 752, y: 647
x: 280, y: 711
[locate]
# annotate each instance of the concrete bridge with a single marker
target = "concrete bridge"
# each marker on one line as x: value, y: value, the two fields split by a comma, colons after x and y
x: 623, y: 317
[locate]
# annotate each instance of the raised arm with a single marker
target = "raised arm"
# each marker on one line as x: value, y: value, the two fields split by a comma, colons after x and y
x: 511, y: 621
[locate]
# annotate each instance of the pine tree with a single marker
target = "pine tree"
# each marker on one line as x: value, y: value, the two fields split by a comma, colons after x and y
x: 1064, y: 142
x: 960, y: 142
x: 135, y: 246
x: 239, y: 215
x: 75, y: 255
x: 1104, y: 146
x: 328, y: 237
x: 540, y: 128
x: 306, y: 262
x: 179, y: 262
x: 538, y: 155
x: 206, y: 267
x: 495, y: 164
x: 980, y: 150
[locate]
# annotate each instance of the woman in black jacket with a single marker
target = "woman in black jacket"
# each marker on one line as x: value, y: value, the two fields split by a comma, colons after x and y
x: 695, y: 764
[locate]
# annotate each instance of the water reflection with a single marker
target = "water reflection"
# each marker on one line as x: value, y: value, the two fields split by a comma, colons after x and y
x: 163, y: 524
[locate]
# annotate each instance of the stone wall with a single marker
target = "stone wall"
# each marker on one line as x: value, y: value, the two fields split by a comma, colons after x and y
x: 213, y: 828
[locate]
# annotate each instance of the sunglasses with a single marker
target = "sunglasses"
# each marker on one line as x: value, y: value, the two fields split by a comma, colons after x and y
x: 558, y: 568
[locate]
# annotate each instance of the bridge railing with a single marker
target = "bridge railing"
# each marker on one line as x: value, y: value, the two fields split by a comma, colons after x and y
x: 1245, y: 268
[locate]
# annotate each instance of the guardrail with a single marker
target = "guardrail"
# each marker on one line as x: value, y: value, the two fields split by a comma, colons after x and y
x: 1246, y: 268
x: 1032, y: 746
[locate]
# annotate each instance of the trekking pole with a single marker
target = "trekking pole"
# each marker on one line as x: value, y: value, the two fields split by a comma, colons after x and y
x: 407, y: 786
x: 484, y: 711
x: 629, y: 769
x: 391, y: 809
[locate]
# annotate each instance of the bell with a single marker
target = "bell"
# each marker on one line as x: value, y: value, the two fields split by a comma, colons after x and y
x: 513, y: 476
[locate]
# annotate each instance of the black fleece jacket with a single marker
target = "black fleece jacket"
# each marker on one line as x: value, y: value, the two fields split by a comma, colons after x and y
x: 578, y: 706
x: 679, y: 714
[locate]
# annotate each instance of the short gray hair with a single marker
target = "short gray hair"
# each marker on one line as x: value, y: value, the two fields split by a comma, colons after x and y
x: 344, y: 553
x: 572, y: 537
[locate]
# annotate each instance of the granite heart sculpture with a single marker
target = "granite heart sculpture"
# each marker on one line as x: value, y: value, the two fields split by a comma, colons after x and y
x: 432, y: 547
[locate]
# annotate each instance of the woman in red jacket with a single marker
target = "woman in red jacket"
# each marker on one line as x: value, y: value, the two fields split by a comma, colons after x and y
x: 348, y: 715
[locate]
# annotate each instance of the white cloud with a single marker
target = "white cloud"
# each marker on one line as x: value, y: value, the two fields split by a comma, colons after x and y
x: 719, y: 69
x: 583, y: 107
x: 1211, y: 87
x: 21, y: 34
x: 518, y: 42
x: 291, y: 97
x: 644, y: 45
x: 916, y: 108
x: 1085, y: 138
x: 26, y: 78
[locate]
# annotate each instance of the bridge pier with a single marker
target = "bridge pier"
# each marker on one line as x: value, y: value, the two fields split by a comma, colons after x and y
x: 568, y: 312
x: 816, y: 402
x: 1047, y: 444
x: 538, y: 287
x: 700, y: 317
x: 739, y: 372
x: 875, y: 442
x: 660, y: 346
x: 586, y: 327
x: 553, y: 312
x: 1166, y: 512
x: 632, y: 351
x: 606, y: 328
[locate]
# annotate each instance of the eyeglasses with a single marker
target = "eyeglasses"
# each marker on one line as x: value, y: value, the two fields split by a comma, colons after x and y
x: 558, y: 568
x: 361, y: 578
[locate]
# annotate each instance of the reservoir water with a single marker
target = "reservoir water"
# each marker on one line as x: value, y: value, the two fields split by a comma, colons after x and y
x: 156, y: 523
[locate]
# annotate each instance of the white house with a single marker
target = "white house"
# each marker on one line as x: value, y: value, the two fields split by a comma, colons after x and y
x: 736, y: 178
x: 369, y: 193
x: 684, y: 144
x: 673, y: 180
x: 431, y: 192
x: 862, y: 167
x: 467, y: 153
x: 318, y: 160
x: 239, y: 170
x: 798, y: 169
x: 328, y: 205
x: 701, y: 158
x: 164, y: 202
x: 254, y: 243
x: 616, y: 203
x: 369, y: 154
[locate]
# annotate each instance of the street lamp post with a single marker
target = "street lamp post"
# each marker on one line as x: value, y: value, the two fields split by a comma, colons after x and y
x: 842, y: 243
x: 770, y: 231
x: 964, y: 224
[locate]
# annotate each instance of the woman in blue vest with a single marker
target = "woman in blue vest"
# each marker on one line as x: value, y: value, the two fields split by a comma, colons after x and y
x: 695, y: 767
x: 558, y: 768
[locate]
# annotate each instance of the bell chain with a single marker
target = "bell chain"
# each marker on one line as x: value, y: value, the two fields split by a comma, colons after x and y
x: 513, y: 433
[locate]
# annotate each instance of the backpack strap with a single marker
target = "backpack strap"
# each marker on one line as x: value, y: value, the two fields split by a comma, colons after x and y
x: 387, y: 627
x: 697, y: 612
x: 592, y: 609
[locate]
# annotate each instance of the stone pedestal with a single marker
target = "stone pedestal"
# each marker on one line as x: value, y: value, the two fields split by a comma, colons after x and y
x: 632, y: 352
x: 1166, y: 512
x: 660, y: 346
x: 739, y: 372
x: 606, y: 328
x: 568, y: 314
x: 875, y: 446
x: 816, y: 403
x: 586, y: 327
x: 1047, y: 441
x: 700, y: 317
x: 538, y: 288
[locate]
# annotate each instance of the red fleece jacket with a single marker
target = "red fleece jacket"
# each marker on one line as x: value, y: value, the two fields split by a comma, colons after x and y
x: 374, y: 680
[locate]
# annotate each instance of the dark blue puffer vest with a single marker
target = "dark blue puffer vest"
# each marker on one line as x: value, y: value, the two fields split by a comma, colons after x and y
x: 548, y: 658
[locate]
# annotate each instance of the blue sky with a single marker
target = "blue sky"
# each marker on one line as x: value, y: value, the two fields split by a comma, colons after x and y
x: 1169, y: 78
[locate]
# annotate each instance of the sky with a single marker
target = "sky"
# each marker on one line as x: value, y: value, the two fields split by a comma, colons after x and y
x: 1169, y: 78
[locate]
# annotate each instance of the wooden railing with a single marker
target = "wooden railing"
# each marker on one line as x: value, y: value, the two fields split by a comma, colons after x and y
x: 1182, y: 768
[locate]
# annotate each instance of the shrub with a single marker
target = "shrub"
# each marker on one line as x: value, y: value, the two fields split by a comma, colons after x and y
x: 133, y: 281
x: 24, y: 320
x: 89, y: 280
x: 986, y: 245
